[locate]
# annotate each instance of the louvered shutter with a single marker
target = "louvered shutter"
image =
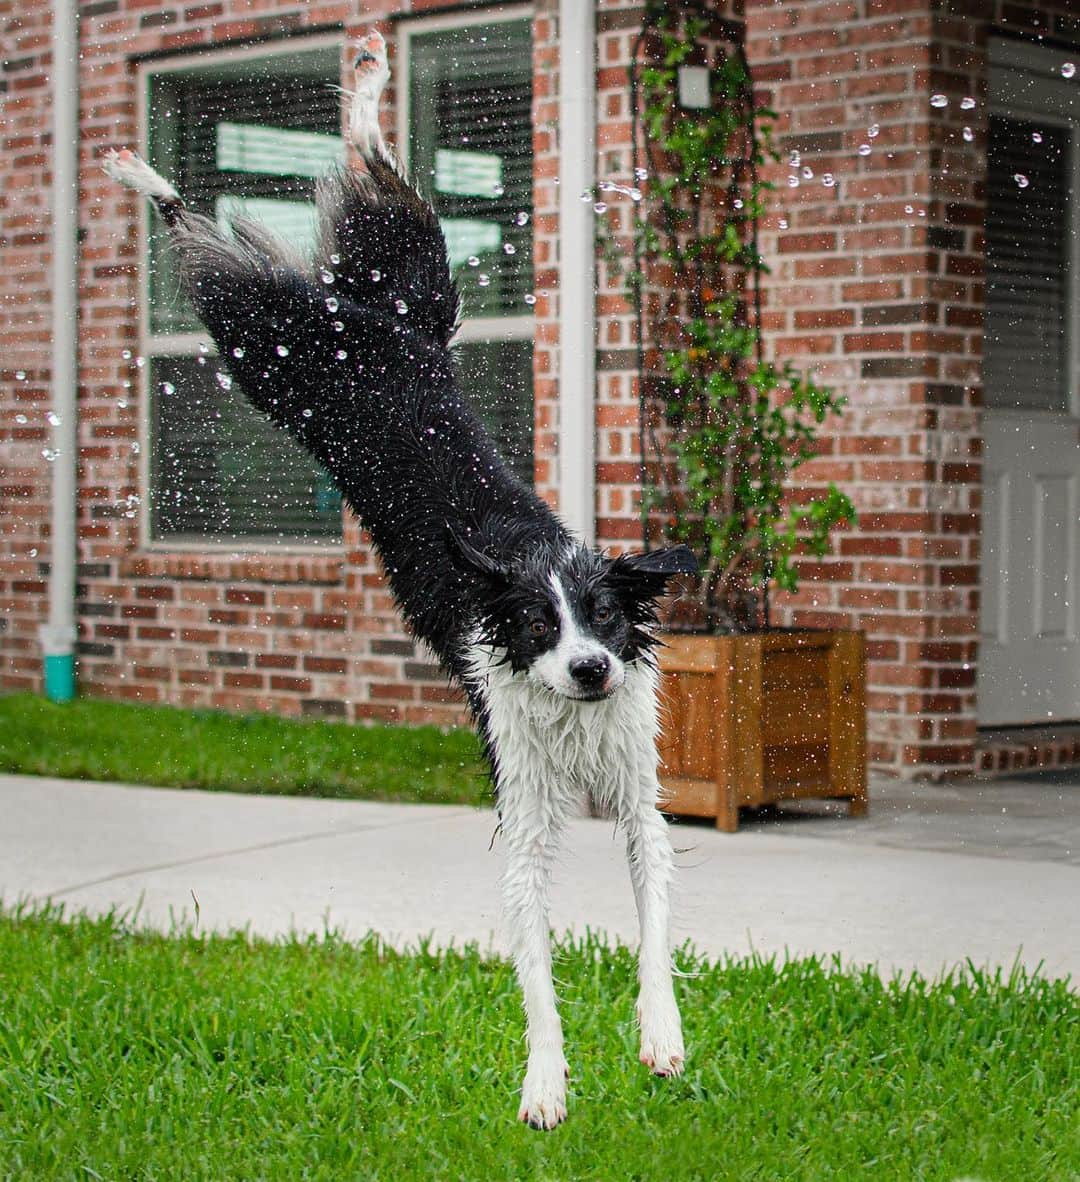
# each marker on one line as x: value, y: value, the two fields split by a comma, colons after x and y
x: 1027, y: 247
x: 249, y: 137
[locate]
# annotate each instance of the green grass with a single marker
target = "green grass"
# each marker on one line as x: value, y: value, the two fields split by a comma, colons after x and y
x: 98, y: 740
x: 134, y: 1056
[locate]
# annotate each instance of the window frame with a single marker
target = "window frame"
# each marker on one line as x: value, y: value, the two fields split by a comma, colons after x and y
x: 150, y: 344
x: 521, y: 326
x: 1025, y: 83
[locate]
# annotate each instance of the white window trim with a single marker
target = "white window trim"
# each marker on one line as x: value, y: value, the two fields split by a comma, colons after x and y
x: 187, y: 344
x: 1025, y: 81
x: 520, y: 327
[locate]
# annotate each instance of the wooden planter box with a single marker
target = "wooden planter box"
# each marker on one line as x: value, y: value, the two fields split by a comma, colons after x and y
x: 751, y: 720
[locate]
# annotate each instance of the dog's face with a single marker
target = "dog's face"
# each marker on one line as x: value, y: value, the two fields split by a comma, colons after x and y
x: 574, y: 622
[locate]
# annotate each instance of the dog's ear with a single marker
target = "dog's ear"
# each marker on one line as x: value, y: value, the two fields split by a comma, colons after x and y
x: 478, y: 562
x: 645, y: 576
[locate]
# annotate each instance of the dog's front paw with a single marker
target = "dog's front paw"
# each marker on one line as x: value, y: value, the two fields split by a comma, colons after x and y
x: 662, y: 1049
x: 543, y: 1094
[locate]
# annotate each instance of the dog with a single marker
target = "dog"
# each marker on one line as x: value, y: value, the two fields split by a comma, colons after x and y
x: 552, y: 642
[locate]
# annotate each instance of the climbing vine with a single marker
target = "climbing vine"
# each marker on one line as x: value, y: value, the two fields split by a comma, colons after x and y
x: 721, y: 429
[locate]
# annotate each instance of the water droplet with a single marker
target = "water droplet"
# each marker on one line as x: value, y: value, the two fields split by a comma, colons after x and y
x: 600, y: 207
x: 938, y: 100
x: 521, y: 218
x: 530, y: 299
x: 509, y: 248
x: 635, y: 195
x: 224, y: 381
x: 1068, y: 70
x: 140, y: 362
x: 865, y: 149
x: 168, y: 388
x: 326, y: 276
x: 48, y: 454
x: 473, y: 261
x: 401, y: 307
x: 20, y: 375
x: 282, y: 350
x: 808, y: 173
x: 33, y: 551
x: 1036, y: 137
x: 53, y: 418
x: 828, y: 180
x: 126, y: 354
x: 738, y: 203
x: 497, y: 190
x: 967, y: 103
x: 641, y: 174
x: 204, y: 348
x: 793, y: 181
x: 20, y: 419
x: 795, y: 159
x: 586, y: 195
x: 135, y: 449
x: 201, y: 360
x: 874, y: 130
x: 783, y: 223
x: 238, y: 352
x: 909, y: 209
x: 376, y: 275
x: 122, y: 404
x: 337, y: 326
x: 483, y: 279
x: 306, y: 412
x: 1021, y: 180
x: 341, y: 354
x: 331, y: 304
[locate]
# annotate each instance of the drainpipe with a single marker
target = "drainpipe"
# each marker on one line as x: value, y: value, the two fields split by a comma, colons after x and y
x: 577, y: 267
x: 58, y: 635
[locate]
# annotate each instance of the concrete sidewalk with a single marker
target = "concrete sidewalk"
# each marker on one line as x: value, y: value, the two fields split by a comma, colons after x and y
x: 935, y: 876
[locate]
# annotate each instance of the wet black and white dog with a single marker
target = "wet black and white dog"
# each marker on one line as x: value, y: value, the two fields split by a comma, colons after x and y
x: 550, y: 640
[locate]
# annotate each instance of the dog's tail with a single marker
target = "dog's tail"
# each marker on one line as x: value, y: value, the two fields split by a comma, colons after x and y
x: 134, y: 173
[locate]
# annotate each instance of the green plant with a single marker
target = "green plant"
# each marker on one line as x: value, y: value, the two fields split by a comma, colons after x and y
x: 737, y: 426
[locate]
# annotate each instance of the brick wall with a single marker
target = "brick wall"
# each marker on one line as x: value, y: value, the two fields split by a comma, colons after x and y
x: 876, y: 282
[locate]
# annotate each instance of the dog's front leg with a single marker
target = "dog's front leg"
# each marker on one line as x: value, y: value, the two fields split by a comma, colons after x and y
x: 525, y: 891
x: 648, y: 850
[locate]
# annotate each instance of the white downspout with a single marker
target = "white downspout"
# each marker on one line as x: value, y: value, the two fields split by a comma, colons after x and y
x: 577, y: 267
x: 58, y: 635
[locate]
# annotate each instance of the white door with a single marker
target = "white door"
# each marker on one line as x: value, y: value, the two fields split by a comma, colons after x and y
x: 1029, y: 660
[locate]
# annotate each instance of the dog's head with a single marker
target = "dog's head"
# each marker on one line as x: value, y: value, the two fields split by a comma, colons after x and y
x: 574, y: 621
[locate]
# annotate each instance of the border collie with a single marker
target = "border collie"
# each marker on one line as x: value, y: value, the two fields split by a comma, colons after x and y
x: 551, y: 641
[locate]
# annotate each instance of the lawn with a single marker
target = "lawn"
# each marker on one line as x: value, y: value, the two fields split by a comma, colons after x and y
x: 125, y: 1055
x: 97, y: 740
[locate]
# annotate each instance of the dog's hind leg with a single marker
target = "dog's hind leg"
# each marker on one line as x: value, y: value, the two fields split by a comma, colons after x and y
x: 372, y: 72
x: 648, y: 850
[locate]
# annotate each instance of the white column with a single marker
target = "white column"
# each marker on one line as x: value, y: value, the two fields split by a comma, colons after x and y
x: 577, y: 267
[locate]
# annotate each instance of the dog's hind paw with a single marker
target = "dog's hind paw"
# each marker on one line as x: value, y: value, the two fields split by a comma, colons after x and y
x: 543, y: 1094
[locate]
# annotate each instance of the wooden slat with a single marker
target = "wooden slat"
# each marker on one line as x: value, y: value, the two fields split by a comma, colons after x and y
x: 797, y: 770
x: 691, y: 654
x: 688, y: 797
x: 746, y: 748
x: 847, y: 718
x: 796, y: 669
x: 796, y: 716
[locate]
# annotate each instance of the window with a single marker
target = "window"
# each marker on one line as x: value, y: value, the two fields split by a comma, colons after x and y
x: 247, y: 134
x: 1028, y: 220
x: 467, y: 133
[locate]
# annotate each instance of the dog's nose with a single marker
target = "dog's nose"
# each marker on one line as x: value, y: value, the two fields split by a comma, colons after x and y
x: 590, y: 672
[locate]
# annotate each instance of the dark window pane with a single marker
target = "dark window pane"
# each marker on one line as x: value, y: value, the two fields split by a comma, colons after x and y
x: 221, y: 471
x: 471, y: 151
x: 497, y: 377
x: 1027, y: 251
x: 250, y: 136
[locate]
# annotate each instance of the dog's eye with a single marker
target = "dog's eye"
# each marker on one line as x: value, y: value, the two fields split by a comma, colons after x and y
x: 538, y: 628
x: 602, y: 614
